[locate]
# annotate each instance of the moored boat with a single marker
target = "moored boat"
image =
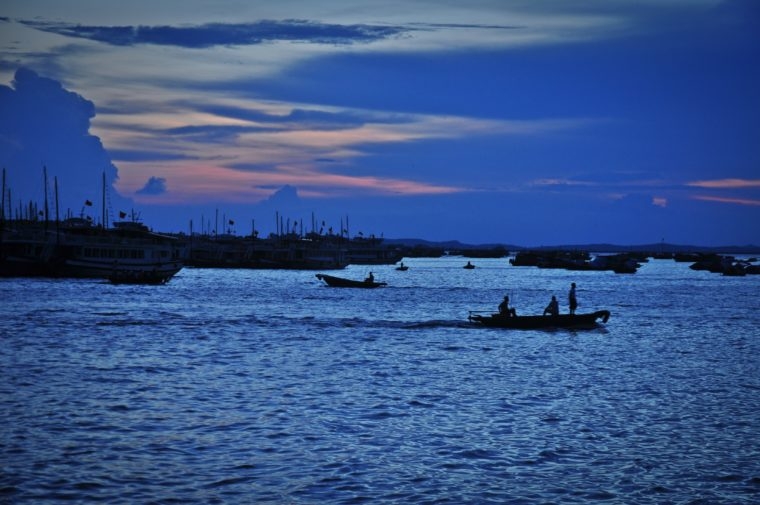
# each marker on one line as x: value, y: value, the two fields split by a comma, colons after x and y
x: 540, y: 322
x: 26, y: 250
x: 75, y: 248
x: 340, y: 282
x: 127, y: 251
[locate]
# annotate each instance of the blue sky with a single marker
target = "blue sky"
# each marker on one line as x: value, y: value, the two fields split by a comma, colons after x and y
x: 530, y: 123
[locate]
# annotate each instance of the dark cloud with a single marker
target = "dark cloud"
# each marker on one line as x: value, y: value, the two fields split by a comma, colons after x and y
x: 43, y: 124
x: 154, y: 186
x: 304, y: 118
x: 223, y: 34
x: 144, y: 155
x: 284, y: 200
x: 214, y: 134
x: 298, y: 119
x: 285, y: 195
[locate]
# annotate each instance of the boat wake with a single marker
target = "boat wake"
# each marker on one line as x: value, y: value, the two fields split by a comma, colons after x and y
x: 358, y: 322
x: 437, y: 323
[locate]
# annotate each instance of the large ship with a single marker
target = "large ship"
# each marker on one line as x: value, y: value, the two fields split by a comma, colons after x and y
x: 128, y: 251
x: 76, y: 248
x: 32, y: 244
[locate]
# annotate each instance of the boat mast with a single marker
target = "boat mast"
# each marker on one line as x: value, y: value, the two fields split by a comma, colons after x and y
x: 2, y: 209
x: 44, y: 175
x: 57, y: 220
x: 105, y: 215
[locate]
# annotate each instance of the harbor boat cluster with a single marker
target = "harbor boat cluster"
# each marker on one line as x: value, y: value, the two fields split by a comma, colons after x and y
x: 312, y: 251
x: 128, y: 252
x: 630, y: 262
x: 622, y: 263
x: 720, y: 264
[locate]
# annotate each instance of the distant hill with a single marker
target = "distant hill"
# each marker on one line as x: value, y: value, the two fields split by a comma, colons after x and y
x: 455, y: 245
x: 448, y: 245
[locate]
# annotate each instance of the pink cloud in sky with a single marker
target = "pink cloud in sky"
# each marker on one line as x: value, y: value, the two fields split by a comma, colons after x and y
x: 190, y: 182
x: 726, y: 183
x: 721, y: 199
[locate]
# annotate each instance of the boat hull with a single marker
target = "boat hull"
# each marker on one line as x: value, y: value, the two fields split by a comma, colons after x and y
x: 542, y: 322
x: 153, y: 278
x: 340, y: 282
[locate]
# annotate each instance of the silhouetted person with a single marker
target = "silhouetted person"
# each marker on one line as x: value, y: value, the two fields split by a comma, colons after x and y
x: 370, y: 278
x: 553, y: 308
x: 505, y: 310
x: 572, y: 299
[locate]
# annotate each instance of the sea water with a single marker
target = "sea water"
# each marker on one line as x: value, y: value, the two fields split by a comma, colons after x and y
x: 262, y: 386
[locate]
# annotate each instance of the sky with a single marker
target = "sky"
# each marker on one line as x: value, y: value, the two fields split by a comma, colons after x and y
x: 519, y: 122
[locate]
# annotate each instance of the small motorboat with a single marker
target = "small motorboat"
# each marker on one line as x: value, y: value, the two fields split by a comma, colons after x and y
x: 402, y: 267
x: 469, y: 266
x: 340, y: 282
x: 540, y: 322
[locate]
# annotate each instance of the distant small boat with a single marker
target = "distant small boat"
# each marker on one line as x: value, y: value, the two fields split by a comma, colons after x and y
x: 539, y: 322
x: 402, y: 267
x: 340, y: 282
x: 469, y: 266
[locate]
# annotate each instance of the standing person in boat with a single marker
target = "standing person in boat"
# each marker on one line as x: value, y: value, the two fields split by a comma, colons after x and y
x: 505, y: 310
x: 553, y: 308
x: 572, y: 299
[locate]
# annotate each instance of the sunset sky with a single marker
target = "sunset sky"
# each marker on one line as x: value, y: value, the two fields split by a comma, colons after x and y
x: 494, y: 121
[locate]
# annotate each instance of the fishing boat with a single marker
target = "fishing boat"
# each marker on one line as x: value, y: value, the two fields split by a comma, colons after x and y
x: 540, y: 322
x: 340, y: 282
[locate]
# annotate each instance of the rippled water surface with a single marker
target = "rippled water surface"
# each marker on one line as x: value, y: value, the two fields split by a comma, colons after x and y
x: 246, y: 386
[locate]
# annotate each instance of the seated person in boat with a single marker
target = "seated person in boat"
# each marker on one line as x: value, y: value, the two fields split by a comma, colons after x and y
x: 553, y: 308
x: 370, y: 278
x: 505, y: 310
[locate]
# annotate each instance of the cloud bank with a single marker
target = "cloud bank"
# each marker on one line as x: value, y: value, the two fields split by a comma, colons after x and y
x: 224, y: 34
x: 44, y: 125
